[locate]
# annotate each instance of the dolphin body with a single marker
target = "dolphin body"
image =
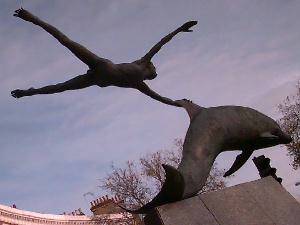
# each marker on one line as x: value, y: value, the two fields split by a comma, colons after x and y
x: 212, y: 131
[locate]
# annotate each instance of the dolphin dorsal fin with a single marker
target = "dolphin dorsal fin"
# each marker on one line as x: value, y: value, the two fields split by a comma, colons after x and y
x: 240, y: 160
x: 191, y: 108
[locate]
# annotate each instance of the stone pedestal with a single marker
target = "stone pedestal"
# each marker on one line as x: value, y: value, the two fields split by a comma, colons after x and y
x: 260, y: 202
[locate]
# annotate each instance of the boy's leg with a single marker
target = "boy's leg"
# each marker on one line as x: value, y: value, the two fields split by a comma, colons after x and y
x: 79, y: 82
x: 78, y: 50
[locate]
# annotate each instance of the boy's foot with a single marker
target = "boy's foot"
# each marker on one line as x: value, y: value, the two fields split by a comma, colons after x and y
x: 18, y: 93
x: 24, y: 14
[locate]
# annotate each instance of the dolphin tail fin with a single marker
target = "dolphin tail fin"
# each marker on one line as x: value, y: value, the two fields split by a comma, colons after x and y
x: 171, y: 191
x: 240, y: 160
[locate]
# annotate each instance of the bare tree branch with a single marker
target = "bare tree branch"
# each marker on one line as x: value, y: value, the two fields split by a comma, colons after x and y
x: 290, y: 123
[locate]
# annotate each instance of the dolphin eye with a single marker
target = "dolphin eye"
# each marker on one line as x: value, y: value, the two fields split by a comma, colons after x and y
x: 276, y: 132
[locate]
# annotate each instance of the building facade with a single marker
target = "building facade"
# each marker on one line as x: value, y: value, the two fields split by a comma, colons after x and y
x: 105, y: 212
x: 13, y: 216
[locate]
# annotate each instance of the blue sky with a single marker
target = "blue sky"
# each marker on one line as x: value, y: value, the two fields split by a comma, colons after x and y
x: 55, y: 147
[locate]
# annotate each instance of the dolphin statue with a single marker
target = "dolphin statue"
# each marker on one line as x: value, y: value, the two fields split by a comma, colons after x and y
x: 212, y: 131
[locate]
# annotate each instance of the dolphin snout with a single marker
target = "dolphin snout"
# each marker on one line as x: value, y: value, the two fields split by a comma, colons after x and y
x: 285, y: 138
x: 282, y: 137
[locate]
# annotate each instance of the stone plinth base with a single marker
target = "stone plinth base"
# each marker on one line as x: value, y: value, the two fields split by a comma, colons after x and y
x: 260, y: 202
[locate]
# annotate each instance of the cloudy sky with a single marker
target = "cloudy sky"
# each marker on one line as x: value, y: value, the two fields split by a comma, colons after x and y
x: 54, y: 148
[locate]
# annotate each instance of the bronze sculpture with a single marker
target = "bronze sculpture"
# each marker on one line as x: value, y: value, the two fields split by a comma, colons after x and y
x: 212, y: 131
x: 102, y: 72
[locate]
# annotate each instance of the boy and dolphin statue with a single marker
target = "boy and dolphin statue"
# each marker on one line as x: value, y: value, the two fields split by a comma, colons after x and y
x: 212, y: 130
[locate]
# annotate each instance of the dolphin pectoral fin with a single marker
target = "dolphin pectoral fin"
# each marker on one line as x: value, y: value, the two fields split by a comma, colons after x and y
x: 240, y: 160
x: 171, y: 191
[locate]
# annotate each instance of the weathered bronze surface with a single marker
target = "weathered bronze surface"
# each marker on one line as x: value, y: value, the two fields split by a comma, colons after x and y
x: 212, y: 131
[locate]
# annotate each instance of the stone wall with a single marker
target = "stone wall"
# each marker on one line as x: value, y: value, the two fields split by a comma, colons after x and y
x: 260, y: 202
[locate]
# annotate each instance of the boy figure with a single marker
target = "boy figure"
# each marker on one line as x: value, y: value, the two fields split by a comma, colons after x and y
x: 102, y: 72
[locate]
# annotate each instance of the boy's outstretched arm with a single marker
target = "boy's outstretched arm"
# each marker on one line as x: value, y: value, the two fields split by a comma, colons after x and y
x: 184, y: 28
x: 144, y: 88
